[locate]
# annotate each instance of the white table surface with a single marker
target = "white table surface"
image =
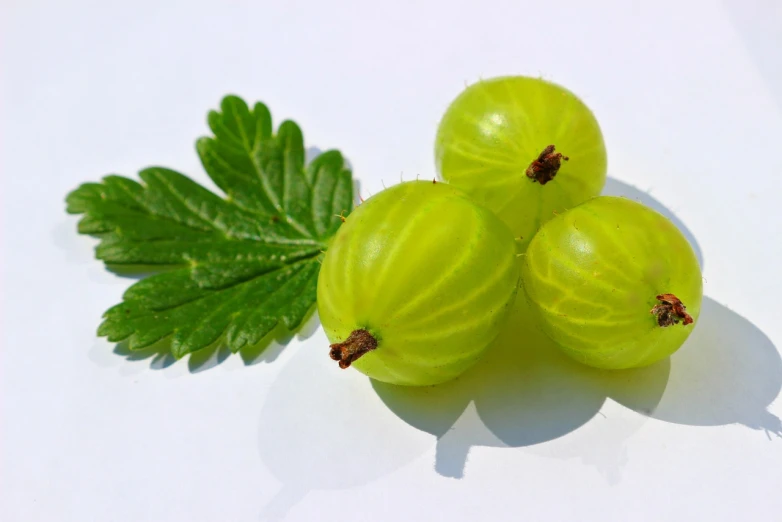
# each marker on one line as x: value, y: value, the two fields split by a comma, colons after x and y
x: 689, y: 95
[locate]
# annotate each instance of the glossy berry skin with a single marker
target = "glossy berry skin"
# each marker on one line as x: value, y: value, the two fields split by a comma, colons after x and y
x: 594, y: 273
x: 428, y: 273
x: 495, y: 130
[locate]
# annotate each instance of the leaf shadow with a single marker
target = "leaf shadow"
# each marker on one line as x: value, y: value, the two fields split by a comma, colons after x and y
x: 138, y: 272
x: 76, y: 248
x: 309, y: 326
x: 270, y: 347
x: 208, y: 358
x: 267, y: 350
x: 159, y: 354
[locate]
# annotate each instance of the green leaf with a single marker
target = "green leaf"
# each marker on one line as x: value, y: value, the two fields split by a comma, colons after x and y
x: 229, y: 267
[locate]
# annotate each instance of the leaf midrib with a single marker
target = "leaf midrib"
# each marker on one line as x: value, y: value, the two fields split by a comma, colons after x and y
x: 253, y: 153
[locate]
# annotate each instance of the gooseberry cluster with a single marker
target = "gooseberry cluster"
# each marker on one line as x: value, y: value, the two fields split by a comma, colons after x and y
x: 418, y: 281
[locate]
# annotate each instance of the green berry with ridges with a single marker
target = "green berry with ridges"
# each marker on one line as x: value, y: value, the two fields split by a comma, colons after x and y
x: 416, y: 284
x: 614, y: 283
x: 523, y: 147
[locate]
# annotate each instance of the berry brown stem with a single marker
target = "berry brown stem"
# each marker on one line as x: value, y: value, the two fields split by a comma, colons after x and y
x: 670, y: 311
x: 545, y: 167
x: 357, y: 344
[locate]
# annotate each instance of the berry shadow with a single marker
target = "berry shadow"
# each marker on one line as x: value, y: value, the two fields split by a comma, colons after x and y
x: 524, y: 392
x: 728, y: 372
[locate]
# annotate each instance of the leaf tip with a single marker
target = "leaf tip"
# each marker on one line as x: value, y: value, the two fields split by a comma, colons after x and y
x: 202, y: 144
x: 231, y: 102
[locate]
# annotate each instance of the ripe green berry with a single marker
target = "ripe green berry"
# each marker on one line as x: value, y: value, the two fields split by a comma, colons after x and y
x: 416, y: 283
x: 523, y: 147
x: 615, y: 284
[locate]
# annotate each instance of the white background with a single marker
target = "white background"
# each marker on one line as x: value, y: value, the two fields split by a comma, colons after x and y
x: 689, y: 95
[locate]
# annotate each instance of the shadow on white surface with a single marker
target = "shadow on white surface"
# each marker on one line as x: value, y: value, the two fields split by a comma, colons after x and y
x: 273, y: 345
x: 323, y: 428
x: 309, y: 326
x: 526, y: 392
x: 160, y: 356
x: 106, y: 354
x: 728, y: 372
x: 130, y: 363
x: 614, y: 187
x: 76, y: 248
x: 265, y: 352
x: 207, y: 358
